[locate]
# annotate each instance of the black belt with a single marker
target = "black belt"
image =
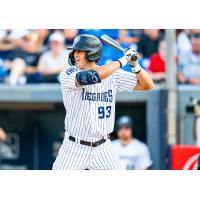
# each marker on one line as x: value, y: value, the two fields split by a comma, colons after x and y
x: 91, y: 144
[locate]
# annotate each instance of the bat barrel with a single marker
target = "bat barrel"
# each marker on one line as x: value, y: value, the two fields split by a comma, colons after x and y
x: 108, y: 40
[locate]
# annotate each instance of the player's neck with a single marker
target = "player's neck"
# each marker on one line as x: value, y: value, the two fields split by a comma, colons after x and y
x: 91, y: 65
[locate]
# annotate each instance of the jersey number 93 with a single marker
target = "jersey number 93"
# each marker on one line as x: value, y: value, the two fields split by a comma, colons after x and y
x: 104, y: 112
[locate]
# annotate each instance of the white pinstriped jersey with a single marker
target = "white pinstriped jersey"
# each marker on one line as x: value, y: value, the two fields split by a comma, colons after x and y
x: 90, y: 109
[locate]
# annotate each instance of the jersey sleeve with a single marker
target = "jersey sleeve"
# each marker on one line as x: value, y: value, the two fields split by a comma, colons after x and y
x: 124, y: 81
x: 68, y: 78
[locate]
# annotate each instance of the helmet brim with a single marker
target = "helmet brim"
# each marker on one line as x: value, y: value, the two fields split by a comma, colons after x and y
x: 70, y: 48
x: 78, y: 48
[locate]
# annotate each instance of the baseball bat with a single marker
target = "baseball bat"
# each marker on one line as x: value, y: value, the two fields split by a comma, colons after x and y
x: 110, y: 41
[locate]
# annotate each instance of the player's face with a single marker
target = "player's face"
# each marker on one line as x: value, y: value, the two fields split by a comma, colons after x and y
x: 125, y: 134
x: 80, y: 58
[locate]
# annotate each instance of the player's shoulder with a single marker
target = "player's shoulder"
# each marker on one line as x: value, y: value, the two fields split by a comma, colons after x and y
x: 68, y: 70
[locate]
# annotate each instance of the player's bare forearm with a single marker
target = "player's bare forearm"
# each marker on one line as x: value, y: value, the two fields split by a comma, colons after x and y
x: 144, y: 81
x: 107, y: 69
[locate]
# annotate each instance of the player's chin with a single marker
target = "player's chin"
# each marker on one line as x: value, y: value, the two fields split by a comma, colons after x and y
x: 78, y: 64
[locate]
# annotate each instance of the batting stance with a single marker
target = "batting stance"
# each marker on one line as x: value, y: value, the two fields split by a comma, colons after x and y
x: 89, y: 93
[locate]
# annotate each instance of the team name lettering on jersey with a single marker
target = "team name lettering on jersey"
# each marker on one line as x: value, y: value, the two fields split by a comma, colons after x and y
x: 104, y: 96
x: 71, y: 70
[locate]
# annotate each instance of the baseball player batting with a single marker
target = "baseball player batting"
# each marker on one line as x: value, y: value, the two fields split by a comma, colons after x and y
x: 89, y: 93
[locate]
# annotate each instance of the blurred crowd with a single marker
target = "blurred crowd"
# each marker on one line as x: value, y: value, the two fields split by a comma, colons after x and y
x: 38, y: 55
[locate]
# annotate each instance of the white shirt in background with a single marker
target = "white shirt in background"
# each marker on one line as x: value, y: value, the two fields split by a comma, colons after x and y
x: 134, y: 155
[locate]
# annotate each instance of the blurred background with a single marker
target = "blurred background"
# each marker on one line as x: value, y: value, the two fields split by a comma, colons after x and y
x: 166, y: 120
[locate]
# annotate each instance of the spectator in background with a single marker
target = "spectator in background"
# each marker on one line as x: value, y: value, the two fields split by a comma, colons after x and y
x: 3, y: 71
x: 129, y: 38
x: 43, y: 35
x: 5, y: 151
x: 2, y: 139
x: 183, y: 41
x: 54, y: 60
x: 2, y: 135
x: 189, y: 61
x: 133, y: 154
x: 10, y: 41
x: 148, y: 44
x: 24, y: 61
x: 69, y: 35
x: 6, y: 44
x: 157, y: 65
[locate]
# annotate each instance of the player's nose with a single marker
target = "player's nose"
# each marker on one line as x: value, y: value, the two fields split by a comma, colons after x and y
x: 76, y: 57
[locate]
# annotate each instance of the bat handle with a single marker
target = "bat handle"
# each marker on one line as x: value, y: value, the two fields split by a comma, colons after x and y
x: 125, y: 50
x: 134, y: 58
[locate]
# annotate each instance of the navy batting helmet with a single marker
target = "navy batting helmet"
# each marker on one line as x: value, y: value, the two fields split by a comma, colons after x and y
x: 89, y: 43
x: 124, y: 121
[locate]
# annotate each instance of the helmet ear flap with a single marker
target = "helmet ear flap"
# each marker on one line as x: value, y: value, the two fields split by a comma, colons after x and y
x: 71, y: 59
x: 88, y: 56
x: 94, y: 56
